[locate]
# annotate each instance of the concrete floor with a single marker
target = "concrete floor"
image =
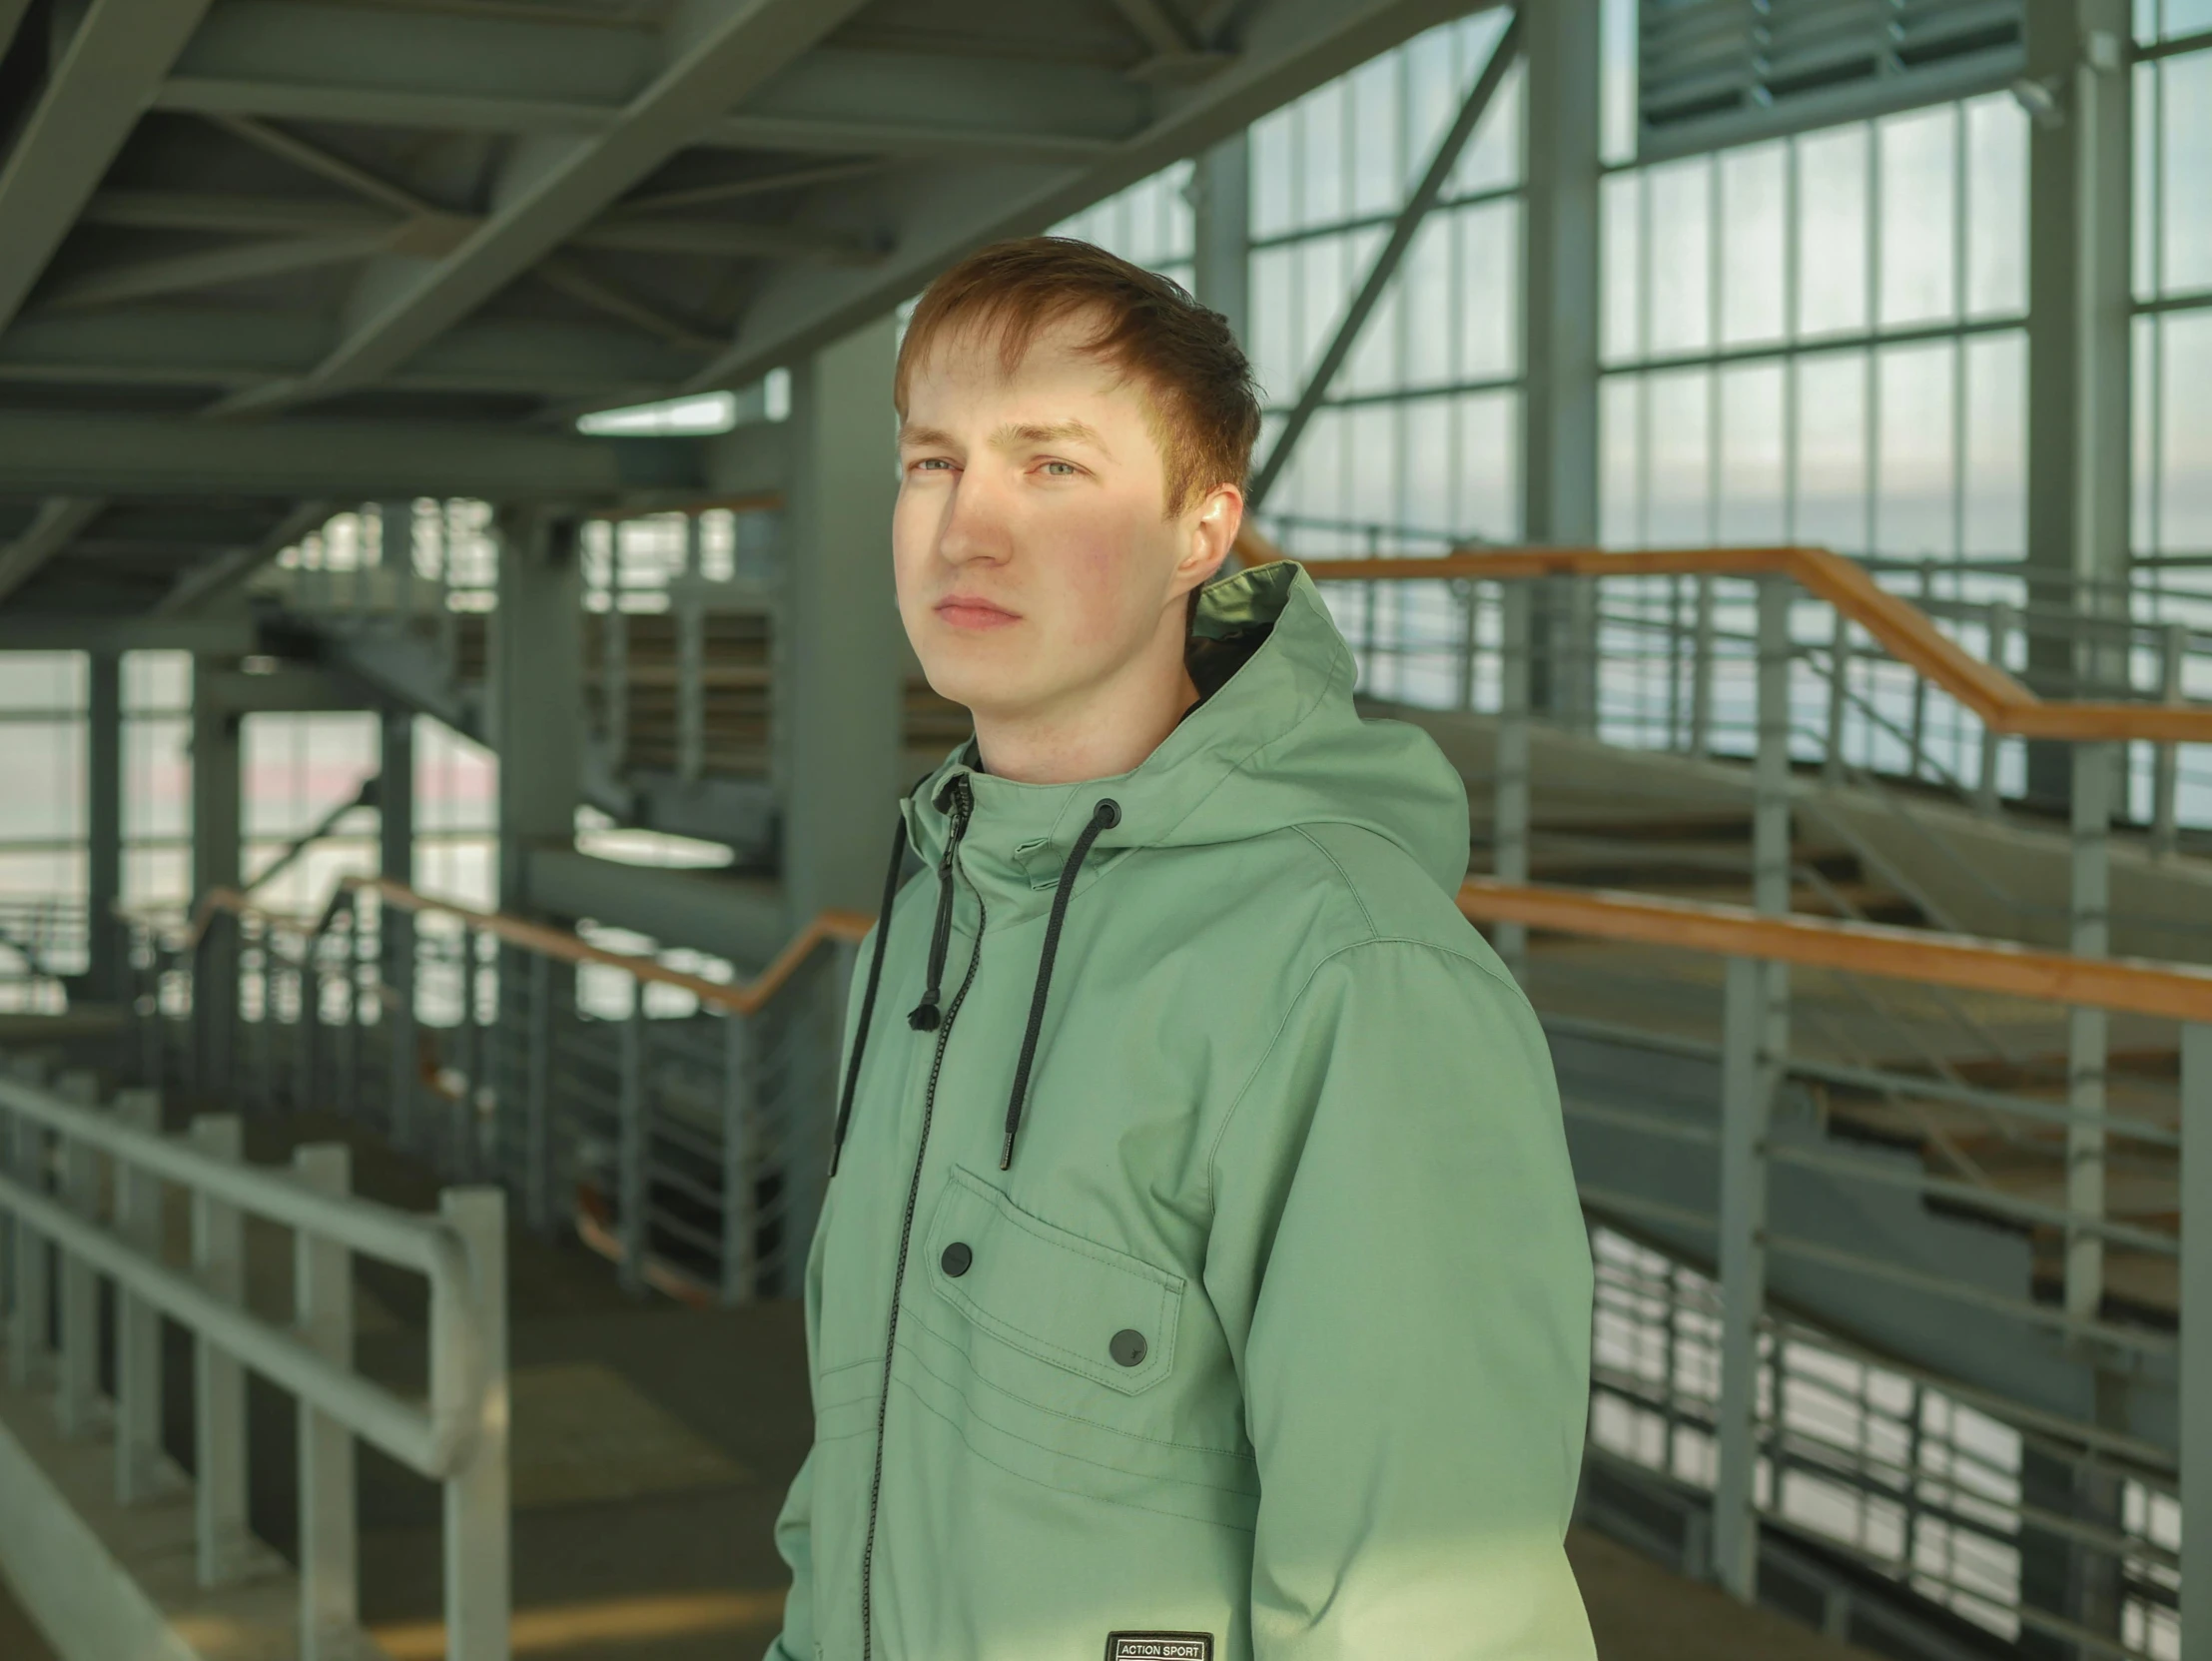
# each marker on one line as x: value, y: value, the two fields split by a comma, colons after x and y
x: 652, y: 1447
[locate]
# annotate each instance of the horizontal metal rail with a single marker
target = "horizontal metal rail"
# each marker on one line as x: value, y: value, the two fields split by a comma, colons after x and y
x: 435, y: 1442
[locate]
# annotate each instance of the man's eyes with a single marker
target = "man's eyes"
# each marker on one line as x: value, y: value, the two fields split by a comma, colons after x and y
x: 942, y: 463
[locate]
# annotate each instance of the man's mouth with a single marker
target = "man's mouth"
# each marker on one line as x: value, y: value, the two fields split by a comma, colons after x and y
x: 968, y: 611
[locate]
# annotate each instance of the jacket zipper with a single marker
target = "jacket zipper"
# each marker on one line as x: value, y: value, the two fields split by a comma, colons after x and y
x: 962, y: 806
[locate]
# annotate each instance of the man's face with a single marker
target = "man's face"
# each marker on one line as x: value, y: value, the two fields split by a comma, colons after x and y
x: 1036, y: 564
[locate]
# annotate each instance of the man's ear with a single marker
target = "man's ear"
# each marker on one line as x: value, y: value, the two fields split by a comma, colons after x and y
x: 1214, y: 526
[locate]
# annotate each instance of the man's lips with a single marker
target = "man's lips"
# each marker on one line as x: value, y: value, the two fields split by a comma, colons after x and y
x: 965, y: 611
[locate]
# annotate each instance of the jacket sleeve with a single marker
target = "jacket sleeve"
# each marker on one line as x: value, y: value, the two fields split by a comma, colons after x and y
x: 1400, y: 1259
x: 795, y: 1544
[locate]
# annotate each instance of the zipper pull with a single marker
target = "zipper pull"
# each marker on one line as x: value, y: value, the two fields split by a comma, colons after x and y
x: 926, y: 1015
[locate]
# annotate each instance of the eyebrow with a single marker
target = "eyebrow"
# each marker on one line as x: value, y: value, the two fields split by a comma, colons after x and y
x: 1008, y: 436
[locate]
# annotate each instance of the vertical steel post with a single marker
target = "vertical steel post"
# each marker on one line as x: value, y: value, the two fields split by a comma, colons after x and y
x: 1701, y: 668
x: 1470, y: 638
x: 2088, y: 1030
x: 633, y: 1145
x: 614, y: 658
x: 219, y: 1383
x: 398, y: 929
x: 30, y: 1311
x: 1770, y: 826
x: 691, y: 692
x: 1915, y: 760
x: 146, y: 1007
x: 265, y: 1041
x: 1745, y: 1095
x: 2165, y: 779
x: 467, y: 1138
x: 479, y: 1574
x: 1508, y: 828
x: 323, y: 1319
x: 2000, y: 634
x: 538, y: 1114
x: 738, y: 1119
x: 1839, y: 695
x: 77, y: 1401
x: 396, y: 552
x: 349, y: 1055
x: 2193, y: 1390
x: 141, y: 1471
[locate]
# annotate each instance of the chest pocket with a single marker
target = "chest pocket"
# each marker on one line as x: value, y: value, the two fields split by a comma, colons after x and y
x: 1055, y: 1296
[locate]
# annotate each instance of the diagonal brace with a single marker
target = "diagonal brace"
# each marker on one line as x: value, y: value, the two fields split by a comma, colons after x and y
x: 1408, y: 222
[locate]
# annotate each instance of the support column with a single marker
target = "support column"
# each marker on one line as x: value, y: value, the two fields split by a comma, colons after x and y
x: 103, y: 981
x: 395, y: 798
x: 1222, y: 206
x: 845, y: 650
x: 215, y: 863
x: 841, y: 669
x: 395, y: 853
x: 536, y: 692
x: 1559, y: 450
x: 2078, y: 461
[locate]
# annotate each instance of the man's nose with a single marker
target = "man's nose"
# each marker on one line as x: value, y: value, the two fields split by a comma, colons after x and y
x: 976, y: 521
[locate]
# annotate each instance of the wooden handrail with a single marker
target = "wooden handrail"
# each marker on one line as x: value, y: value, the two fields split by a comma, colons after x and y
x: 1902, y: 628
x: 2182, y: 991
x: 744, y: 998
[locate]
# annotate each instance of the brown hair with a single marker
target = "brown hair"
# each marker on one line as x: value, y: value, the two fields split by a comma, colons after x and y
x: 1205, y: 407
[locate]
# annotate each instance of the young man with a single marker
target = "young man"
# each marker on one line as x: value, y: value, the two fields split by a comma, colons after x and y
x: 1200, y: 1273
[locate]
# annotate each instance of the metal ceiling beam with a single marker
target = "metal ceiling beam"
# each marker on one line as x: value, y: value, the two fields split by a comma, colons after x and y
x: 59, y: 523
x: 231, y: 215
x: 725, y: 240
x: 111, y: 70
x: 209, y: 269
x: 576, y: 282
x: 82, y: 453
x: 11, y: 19
x: 1385, y: 267
x: 73, y: 631
x: 762, y: 184
x: 550, y: 188
x: 475, y: 111
x: 931, y: 215
x: 300, y: 217
x: 181, y: 345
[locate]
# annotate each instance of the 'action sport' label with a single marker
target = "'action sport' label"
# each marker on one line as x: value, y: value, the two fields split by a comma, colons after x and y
x: 1160, y: 1646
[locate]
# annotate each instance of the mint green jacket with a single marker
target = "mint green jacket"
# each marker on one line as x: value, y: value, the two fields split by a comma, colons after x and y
x: 1200, y: 1273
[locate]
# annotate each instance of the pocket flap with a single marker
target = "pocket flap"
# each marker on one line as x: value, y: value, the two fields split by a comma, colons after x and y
x: 1056, y: 1295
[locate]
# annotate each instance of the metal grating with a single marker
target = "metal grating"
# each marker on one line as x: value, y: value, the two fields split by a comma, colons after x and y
x: 1715, y: 71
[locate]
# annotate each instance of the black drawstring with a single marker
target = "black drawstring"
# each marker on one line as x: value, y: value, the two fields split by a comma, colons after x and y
x: 1104, y: 816
x: 868, y: 998
x: 926, y: 1015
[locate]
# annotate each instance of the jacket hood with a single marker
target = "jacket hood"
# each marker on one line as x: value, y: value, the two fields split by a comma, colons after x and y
x: 1278, y: 744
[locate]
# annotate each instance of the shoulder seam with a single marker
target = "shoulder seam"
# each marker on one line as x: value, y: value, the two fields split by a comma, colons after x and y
x: 1338, y: 865
x: 1213, y: 1148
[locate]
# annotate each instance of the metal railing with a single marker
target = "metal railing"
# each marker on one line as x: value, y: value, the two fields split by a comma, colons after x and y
x: 669, y: 1116
x: 1785, y: 1106
x: 83, y: 1190
x: 1657, y: 649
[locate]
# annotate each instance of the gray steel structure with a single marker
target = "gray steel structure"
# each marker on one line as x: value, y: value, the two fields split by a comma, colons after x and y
x: 263, y: 254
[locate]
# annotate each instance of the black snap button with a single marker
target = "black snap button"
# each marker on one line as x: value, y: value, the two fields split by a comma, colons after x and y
x: 956, y: 1259
x: 1128, y: 1347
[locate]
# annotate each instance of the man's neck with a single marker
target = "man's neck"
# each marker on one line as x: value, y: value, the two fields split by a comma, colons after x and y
x: 1109, y: 737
